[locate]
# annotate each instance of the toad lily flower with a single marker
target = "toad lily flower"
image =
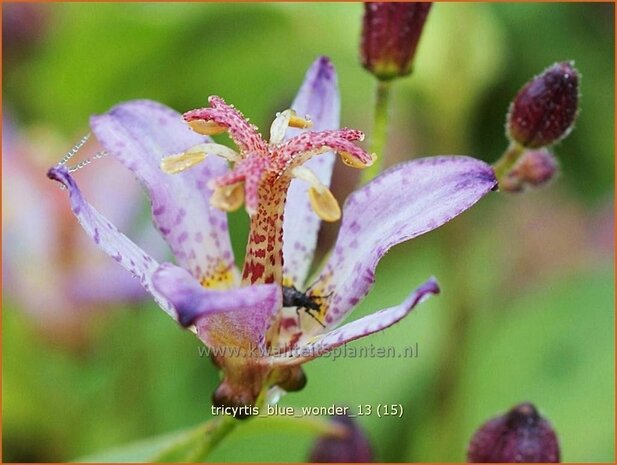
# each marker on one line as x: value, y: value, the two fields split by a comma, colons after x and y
x: 256, y: 324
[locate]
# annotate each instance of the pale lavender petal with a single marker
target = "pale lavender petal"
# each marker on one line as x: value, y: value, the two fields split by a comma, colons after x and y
x: 139, y: 134
x: 404, y: 202
x: 235, y: 317
x: 369, y: 324
x: 109, y: 239
x: 318, y: 98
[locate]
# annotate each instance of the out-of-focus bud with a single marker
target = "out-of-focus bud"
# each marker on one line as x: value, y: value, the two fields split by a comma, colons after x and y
x: 521, y: 435
x: 390, y: 36
x: 23, y: 26
x: 351, y: 447
x: 535, y: 169
x: 544, y: 110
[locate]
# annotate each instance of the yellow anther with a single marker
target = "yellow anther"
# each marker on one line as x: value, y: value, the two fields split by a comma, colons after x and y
x: 354, y: 162
x: 324, y: 204
x: 206, y: 128
x: 284, y: 120
x: 174, y: 164
x: 300, y: 123
x: 228, y: 198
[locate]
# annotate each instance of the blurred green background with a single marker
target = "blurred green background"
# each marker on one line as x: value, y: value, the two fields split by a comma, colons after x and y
x: 526, y: 312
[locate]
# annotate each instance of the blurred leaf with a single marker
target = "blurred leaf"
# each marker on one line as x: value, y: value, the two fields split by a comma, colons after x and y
x: 141, y: 451
x: 182, y: 446
x: 553, y: 347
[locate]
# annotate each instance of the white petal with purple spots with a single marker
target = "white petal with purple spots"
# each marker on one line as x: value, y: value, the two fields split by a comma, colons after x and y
x: 236, y: 317
x: 139, y: 134
x: 110, y: 240
x: 319, y: 99
x: 402, y: 203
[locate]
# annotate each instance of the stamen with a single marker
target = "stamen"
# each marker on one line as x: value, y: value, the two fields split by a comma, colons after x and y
x: 279, y: 126
x: 206, y: 128
x: 174, y: 164
x: 324, y: 204
x: 177, y: 163
x: 322, y: 200
x: 228, y: 198
x: 354, y: 162
x: 300, y: 123
x: 284, y: 120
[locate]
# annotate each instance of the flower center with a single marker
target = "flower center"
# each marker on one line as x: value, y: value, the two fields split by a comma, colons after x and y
x: 262, y: 172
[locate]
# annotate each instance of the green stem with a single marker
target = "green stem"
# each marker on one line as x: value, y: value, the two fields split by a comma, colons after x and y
x: 205, y: 438
x: 213, y: 436
x: 199, y: 442
x: 380, y: 130
x: 507, y: 160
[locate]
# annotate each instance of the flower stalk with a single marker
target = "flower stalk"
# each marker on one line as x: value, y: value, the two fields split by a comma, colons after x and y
x: 380, y: 129
x: 390, y: 36
x: 198, y: 443
x: 507, y: 160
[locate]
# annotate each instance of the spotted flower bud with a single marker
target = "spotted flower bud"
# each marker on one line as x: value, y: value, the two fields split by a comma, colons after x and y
x: 390, y: 35
x: 544, y: 110
x: 535, y: 168
x: 521, y: 435
x: 351, y: 446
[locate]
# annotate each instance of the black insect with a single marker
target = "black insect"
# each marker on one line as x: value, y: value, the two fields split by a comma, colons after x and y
x: 292, y: 297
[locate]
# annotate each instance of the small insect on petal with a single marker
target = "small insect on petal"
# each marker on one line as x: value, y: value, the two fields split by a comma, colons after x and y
x: 228, y: 198
x: 174, y: 164
x: 354, y: 162
x: 206, y: 128
x: 324, y: 204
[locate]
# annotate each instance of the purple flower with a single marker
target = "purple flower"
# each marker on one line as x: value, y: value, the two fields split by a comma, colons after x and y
x: 256, y: 337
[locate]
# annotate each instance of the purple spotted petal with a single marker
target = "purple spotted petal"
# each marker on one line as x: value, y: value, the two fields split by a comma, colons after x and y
x: 319, y: 98
x: 369, y: 324
x: 236, y: 317
x: 408, y: 200
x: 110, y: 240
x: 139, y: 134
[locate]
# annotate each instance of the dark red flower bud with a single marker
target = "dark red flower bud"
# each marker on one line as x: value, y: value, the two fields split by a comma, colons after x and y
x: 352, y: 448
x: 544, y: 110
x: 390, y: 35
x: 521, y: 435
x: 534, y: 169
